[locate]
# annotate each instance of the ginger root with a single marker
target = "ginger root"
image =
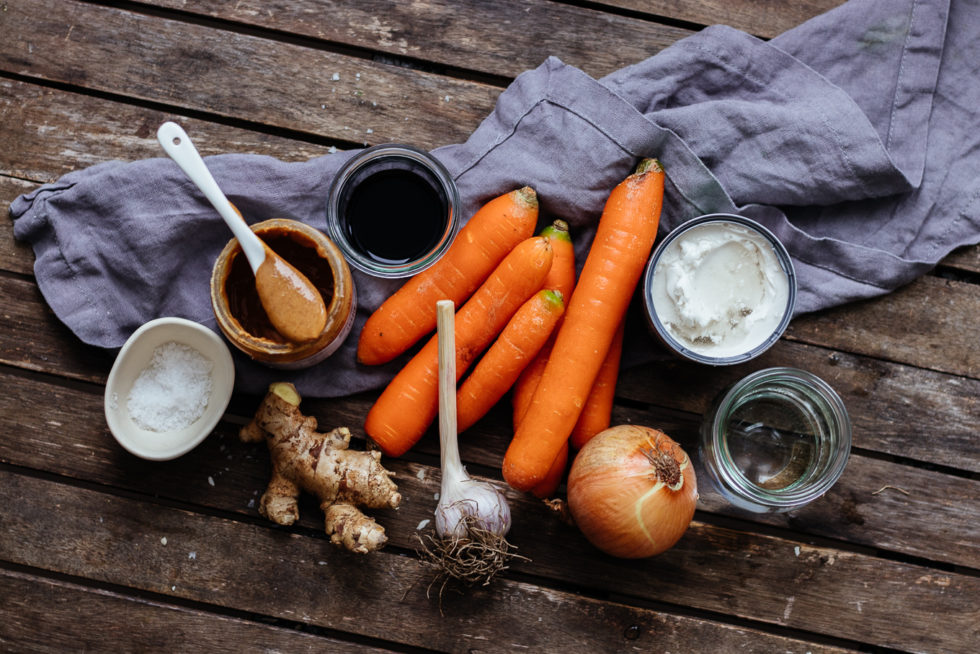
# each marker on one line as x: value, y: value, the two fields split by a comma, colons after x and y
x: 320, y: 464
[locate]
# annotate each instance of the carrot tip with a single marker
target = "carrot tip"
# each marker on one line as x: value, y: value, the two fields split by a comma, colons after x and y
x: 554, y: 297
x: 528, y: 196
x: 557, y: 230
x: 649, y: 166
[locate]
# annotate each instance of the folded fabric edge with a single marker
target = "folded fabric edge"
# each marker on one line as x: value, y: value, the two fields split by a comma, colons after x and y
x: 690, y: 180
x: 574, y: 91
x: 51, y: 268
x: 740, y: 51
x: 917, y: 75
x: 912, y: 105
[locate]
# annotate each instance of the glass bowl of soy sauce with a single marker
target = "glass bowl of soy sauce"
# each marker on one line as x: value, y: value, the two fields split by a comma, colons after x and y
x: 392, y: 210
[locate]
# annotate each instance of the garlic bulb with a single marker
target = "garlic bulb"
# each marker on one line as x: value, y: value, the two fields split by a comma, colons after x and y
x: 466, y: 503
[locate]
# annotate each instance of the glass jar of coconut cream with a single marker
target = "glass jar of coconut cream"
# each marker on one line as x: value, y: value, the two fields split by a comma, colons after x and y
x: 719, y: 289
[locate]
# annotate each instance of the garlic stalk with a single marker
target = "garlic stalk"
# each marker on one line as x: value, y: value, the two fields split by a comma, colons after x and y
x: 464, y: 503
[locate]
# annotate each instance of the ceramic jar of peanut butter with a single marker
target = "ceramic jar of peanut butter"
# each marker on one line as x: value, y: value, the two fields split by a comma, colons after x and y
x: 240, y: 314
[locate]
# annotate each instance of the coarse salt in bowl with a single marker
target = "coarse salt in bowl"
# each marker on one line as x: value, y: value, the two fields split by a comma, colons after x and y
x: 153, y: 395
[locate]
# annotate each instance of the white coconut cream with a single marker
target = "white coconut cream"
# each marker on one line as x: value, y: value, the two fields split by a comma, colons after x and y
x: 718, y: 288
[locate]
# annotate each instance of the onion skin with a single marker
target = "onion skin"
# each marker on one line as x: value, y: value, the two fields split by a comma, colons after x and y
x: 618, y: 496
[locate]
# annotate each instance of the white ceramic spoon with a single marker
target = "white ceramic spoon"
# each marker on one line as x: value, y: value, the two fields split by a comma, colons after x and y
x: 294, y: 306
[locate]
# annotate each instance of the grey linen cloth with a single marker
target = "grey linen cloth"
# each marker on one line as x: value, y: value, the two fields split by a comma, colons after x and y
x: 853, y: 137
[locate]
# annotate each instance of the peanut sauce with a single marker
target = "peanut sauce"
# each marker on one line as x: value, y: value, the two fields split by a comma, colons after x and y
x: 297, y: 285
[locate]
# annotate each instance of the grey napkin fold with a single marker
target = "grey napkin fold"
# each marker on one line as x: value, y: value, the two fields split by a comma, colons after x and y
x: 853, y: 137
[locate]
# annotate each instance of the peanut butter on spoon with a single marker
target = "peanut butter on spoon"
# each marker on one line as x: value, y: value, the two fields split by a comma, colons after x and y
x: 293, y: 304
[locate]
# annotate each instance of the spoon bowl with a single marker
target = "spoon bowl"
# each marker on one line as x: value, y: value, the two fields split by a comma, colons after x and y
x: 294, y: 306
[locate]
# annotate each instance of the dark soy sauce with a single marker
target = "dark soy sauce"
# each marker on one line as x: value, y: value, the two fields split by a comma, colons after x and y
x: 394, y: 212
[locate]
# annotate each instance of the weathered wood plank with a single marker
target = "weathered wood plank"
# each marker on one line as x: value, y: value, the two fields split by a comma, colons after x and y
x: 32, y: 337
x: 786, y: 582
x: 512, y: 35
x: 188, y: 66
x: 46, y: 615
x: 14, y: 255
x: 931, y: 323
x: 893, y: 407
x: 49, y: 132
x: 62, y: 431
x: 766, y: 19
x: 965, y: 258
x: 767, y: 579
x: 285, y: 575
x: 872, y: 504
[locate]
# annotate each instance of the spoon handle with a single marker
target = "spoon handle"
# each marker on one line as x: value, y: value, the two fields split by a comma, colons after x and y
x: 178, y: 145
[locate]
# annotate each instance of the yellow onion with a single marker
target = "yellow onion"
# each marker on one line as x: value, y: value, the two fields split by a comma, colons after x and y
x: 632, y: 491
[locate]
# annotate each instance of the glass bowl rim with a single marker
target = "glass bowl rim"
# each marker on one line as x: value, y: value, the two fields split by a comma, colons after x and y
x: 368, y: 156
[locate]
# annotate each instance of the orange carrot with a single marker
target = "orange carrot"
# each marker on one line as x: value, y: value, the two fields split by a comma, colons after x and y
x: 597, y: 411
x: 482, y: 243
x: 561, y: 277
x: 622, y: 243
x: 547, y: 486
x: 527, y: 383
x: 517, y: 344
x: 410, y: 402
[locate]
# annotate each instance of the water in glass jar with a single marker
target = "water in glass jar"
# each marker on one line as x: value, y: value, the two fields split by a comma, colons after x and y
x: 772, y: 438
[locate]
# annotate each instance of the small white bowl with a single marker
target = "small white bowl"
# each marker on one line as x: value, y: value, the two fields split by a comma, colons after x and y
x: 135, y: 356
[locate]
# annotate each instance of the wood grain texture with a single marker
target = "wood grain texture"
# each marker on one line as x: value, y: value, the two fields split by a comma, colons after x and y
x: 101, y: 550
x: 966, y: 259
x: 15, y: 256
x: 892, y: 406
x: 188, y: 66
x: 33, y: 338
x: 223, y: 474
x: 171, y: 552
x: 930, y: 323
x: 501, y: 38
x: 766, y: 19
x: 891, y: 420
x: 871, y: 505
x: 49, y: 132
x: 50, y: 615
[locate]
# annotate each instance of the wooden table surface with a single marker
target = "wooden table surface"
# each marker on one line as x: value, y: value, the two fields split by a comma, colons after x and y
x: 100, y: 550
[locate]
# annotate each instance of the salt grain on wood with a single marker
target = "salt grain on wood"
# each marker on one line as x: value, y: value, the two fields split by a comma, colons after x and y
x: 172, y: 391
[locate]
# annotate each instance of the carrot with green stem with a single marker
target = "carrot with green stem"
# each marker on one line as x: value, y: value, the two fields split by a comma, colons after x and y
x: 597, y: 412
x: 410, y: 402
x: 623, y: 240
x: 561, y: 278
x: 500, y: 366
x: 482, y: 243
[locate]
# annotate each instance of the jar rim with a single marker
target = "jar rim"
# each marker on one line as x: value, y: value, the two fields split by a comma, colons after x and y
x: 343, y: 301
x: 369, y: 156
